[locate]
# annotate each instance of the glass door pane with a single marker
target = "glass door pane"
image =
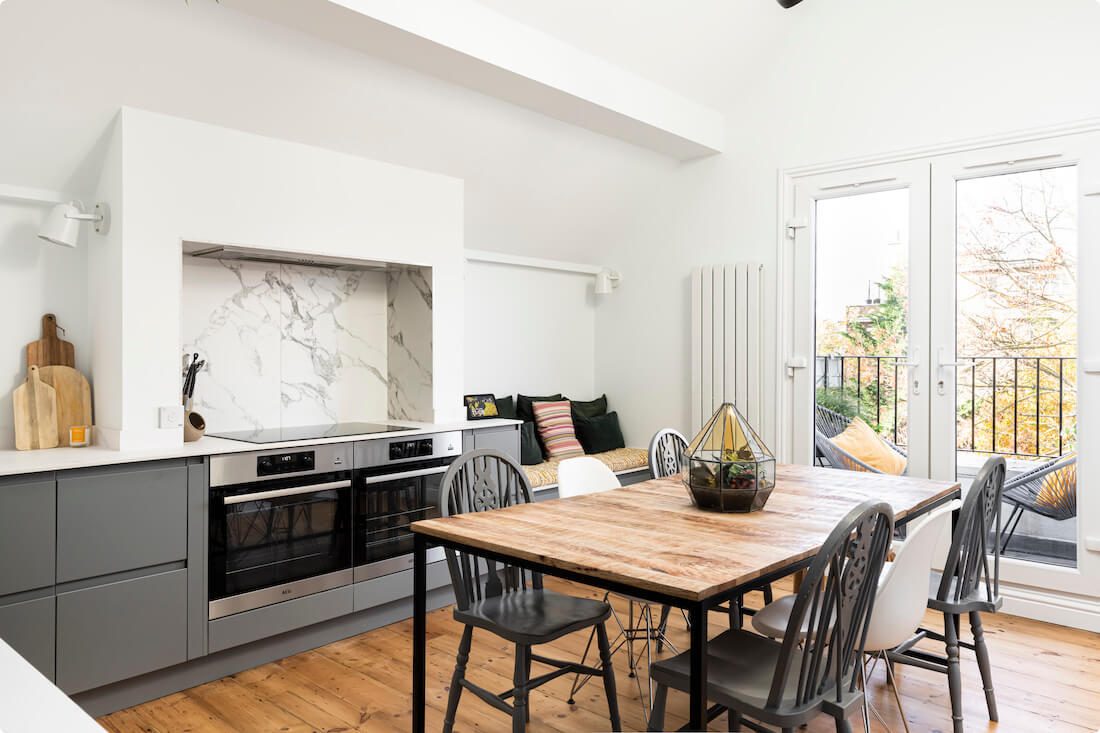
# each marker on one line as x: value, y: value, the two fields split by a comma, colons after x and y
x: 1016, y: 348
x: 862, y: 310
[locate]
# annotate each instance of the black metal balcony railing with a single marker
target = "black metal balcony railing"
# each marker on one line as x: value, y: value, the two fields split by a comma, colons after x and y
x: 1007, y: 405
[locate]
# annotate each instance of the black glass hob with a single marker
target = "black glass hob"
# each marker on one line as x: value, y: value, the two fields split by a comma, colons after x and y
x: 309, y: 432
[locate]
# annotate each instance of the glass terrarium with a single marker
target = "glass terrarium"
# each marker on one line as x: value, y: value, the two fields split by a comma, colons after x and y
x: 726, y: 467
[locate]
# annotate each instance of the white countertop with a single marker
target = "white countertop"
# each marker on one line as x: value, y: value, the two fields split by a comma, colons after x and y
x: 15, y: 462
x: 30, y: 703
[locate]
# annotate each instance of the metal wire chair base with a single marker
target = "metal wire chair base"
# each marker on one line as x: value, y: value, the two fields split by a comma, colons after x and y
x: 637, y: 629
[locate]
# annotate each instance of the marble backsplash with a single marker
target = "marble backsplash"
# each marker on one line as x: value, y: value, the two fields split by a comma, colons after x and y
x: 296, y: 345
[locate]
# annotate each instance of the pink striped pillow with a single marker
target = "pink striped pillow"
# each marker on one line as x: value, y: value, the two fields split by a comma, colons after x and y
x: 555, y: 423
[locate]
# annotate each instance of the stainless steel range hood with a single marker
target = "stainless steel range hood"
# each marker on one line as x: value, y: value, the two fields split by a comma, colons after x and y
x: 212, y: 251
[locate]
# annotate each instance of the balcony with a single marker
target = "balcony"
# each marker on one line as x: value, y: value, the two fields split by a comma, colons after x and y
x: 1021, y: 408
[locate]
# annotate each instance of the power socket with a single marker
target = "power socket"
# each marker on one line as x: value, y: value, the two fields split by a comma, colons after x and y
x: 171, y: 416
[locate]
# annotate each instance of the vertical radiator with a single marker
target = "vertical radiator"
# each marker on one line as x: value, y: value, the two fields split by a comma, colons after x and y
x: 727, y: 341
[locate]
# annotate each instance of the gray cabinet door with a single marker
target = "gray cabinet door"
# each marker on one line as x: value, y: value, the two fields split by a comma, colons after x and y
x: 121, y: 519
x: 112, y: 632
x: 28, y: 628
x: 27, y: 522
x: 504, y: 439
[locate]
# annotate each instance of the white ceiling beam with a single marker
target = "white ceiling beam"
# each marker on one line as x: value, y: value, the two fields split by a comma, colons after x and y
x: 471, y: 45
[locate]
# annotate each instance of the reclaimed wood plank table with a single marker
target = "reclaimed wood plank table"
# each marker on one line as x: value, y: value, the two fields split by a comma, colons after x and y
x: 648, y: 540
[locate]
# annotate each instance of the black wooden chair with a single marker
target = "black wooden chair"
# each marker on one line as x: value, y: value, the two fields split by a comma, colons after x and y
x: 968, y: 585
x: 789, y: 683
x: 508, y: 601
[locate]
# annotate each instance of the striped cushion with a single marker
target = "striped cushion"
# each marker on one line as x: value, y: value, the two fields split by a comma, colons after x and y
x: 555, y: 423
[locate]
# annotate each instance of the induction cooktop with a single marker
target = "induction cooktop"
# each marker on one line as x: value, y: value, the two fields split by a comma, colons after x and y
x: 309, y: 432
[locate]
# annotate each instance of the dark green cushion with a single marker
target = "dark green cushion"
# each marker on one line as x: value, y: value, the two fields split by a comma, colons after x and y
x: 590, y: 409
x: 600, y: 434
x: 530, y: 452
x: 525, y: 412
x: 506, y: 407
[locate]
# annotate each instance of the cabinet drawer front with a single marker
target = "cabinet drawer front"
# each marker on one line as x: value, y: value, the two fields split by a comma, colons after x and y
x: 27, y: 521
x: 504, y: 439
x: 124, y: 520
x: 116, y: 631
x: 28, y: 628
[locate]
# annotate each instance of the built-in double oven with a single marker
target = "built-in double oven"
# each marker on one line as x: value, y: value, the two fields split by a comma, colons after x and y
x: 288, y: 523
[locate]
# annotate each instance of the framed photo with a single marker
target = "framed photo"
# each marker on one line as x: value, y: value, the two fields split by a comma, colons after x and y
x: 481, y: 406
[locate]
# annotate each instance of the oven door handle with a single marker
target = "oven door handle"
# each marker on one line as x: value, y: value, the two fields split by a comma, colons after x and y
x: 293, y: 491
x: 405, y: 474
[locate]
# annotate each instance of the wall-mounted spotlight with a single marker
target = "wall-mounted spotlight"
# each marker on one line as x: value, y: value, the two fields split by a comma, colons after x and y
x: 607, y: 281
x: 62, y: 225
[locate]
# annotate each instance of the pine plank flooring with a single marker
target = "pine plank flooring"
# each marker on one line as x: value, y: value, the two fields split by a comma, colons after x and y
x: 1047, y: 679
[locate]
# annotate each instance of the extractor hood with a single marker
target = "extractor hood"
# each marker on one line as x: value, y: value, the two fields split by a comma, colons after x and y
x: 239, y: 253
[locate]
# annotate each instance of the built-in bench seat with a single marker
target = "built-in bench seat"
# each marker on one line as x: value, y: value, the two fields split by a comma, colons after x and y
x: 631, y: 465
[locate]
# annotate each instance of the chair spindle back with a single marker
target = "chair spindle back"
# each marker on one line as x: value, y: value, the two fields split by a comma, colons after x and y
x: 967, y: 567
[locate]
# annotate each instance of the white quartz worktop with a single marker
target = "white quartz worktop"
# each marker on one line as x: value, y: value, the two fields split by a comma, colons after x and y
x: 30, y: 703
x: 13, y: 462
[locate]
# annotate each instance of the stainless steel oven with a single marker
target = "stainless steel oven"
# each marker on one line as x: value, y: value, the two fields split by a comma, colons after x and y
x: 280, y: 526
x: 397, y: 482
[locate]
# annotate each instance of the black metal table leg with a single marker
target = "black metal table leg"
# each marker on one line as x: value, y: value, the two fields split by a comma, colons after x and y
x: 420, y: 642
x: 697, y: 718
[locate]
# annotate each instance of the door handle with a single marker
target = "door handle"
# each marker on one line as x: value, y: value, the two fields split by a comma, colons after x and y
x: 944, y: 363
x: 912, y: 363
x: 279, y: 493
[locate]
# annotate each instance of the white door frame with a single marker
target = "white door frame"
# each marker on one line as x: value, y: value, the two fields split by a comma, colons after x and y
x: 1079, y: 607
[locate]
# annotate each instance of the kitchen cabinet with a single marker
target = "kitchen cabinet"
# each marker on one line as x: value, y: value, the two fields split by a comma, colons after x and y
x: 118, y: 519
x: 504, y: 438
x: 28, y: 628
x: 27, y: 522
x: 119, y: 630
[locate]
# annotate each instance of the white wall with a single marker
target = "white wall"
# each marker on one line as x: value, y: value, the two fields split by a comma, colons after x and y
x: 530, y: 331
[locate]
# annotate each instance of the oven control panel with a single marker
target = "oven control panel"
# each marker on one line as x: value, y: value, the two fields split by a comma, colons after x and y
x: 421, y: 448
x: 280, y: 463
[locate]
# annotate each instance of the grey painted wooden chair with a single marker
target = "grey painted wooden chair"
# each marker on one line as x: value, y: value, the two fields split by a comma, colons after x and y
x: 788, y: 683
x: 665, y: 450
x: 511, y: 602
x: 829, y: 424
x: 969, y: 584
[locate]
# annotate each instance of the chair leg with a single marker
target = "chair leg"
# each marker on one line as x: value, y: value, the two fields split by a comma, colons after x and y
x: 734, y: 720
x: 520, y: 680
x: 457, y: 677
x: 982, y: 652
x: 897, y: 695
x: 767, y: 590
x: 629, y: 631
x: 608, y: 677
x: 528, y: 678
x: 657, y: 713
x: 735, y: 612
x: 843, y: 726
x: 954, y: 672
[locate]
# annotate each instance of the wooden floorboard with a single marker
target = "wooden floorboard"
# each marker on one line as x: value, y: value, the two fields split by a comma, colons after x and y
x: 1047, y: 679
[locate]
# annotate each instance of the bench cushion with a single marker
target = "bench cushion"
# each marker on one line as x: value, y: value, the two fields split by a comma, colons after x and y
x: 622, y: 459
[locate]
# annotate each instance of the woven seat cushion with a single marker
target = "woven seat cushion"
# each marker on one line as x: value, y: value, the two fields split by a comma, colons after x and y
x: 623, y: 459
x: 860, y: 441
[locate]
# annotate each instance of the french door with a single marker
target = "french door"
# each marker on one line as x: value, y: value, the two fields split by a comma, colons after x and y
x: 945, y: 301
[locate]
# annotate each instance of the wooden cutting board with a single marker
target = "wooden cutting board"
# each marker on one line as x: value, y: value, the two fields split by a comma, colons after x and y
x: 35, y: 413
x: 50, y: 350
x: 73, y: 396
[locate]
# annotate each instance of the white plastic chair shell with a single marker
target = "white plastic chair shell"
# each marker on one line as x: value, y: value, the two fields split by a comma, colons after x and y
x: 584, y: 475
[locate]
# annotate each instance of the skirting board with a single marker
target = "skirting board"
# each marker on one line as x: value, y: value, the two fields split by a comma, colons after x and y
x: 1056, y: 608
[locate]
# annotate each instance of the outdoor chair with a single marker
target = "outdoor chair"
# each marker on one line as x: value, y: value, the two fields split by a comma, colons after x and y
x: 1049, y: 489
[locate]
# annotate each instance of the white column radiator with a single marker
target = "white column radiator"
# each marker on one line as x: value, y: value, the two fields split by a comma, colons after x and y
x: 727, y: 342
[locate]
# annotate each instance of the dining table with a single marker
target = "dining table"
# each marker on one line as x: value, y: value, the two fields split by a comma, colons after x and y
x: 649, y: 541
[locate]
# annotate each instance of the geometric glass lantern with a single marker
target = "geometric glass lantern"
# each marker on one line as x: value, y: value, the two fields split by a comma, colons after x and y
x: 726, y: 467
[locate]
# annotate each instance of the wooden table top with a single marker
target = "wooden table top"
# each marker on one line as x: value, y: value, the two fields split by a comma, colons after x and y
x: 650, y: 535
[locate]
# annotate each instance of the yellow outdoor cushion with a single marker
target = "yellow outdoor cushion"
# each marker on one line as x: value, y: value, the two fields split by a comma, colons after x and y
x: 859, y: 440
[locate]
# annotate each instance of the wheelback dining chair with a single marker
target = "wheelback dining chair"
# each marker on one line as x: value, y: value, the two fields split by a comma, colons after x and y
x: 969, y: 584
x: 665, y: 452
x: 789, y: 683
x: 509, y: 601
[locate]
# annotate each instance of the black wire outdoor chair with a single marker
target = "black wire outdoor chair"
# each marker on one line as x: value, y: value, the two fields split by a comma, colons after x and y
x: 1049, y: 489
x: 829, y: 424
